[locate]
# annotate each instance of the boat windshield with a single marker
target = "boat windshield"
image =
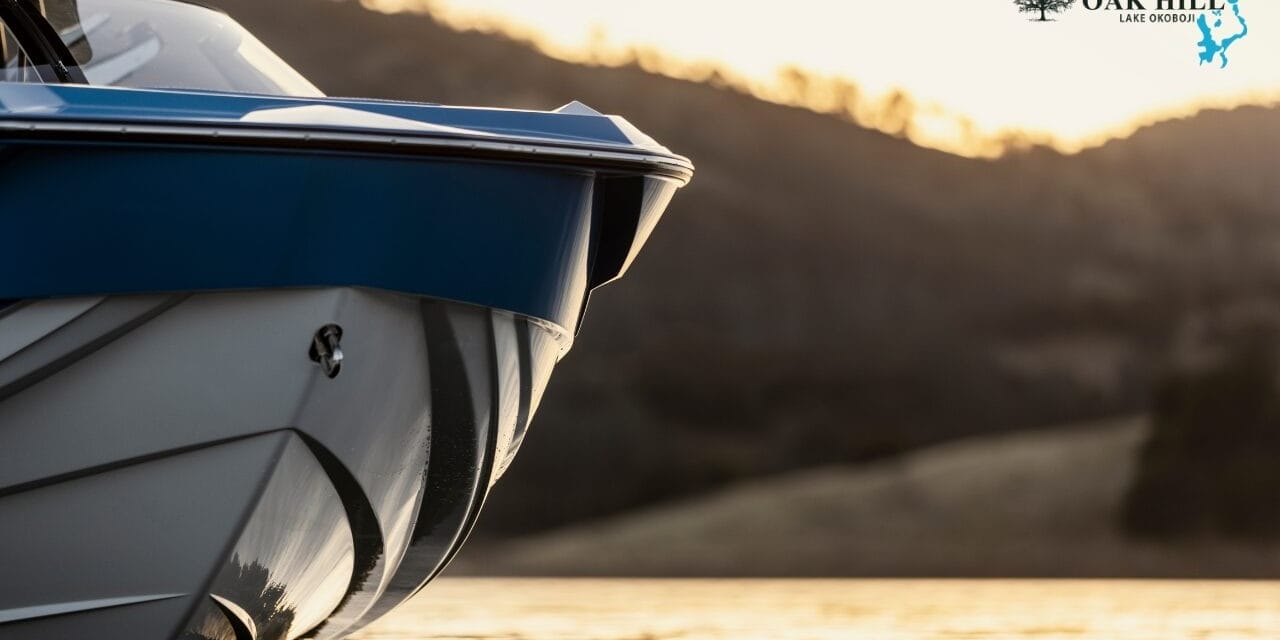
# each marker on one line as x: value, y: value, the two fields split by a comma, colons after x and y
x: 166, y: 44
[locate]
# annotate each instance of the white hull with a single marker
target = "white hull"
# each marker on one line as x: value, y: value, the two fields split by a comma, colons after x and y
x: 186, y: 459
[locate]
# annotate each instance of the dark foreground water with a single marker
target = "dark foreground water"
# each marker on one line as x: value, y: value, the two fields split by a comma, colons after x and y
x: 624, y: 609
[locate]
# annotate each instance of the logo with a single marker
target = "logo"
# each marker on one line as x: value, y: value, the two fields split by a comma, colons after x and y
x: 1221, y: 30
x: 1043, y: 7
x: 1219, y: 24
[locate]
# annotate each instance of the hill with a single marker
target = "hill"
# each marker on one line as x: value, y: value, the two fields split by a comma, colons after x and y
x: 823, y: 293
x: 1040, y: 504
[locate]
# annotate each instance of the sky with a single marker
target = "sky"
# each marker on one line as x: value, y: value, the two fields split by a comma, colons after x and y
x: 1079, y: 80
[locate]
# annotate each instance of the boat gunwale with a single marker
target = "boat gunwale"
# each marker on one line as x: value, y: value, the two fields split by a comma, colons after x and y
x: 594, y: 156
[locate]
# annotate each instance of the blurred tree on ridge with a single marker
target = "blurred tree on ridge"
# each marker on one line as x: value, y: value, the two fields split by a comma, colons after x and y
x: 1210, y: 467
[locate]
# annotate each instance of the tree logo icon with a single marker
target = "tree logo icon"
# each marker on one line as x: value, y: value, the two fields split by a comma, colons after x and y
x: 1043, y: 7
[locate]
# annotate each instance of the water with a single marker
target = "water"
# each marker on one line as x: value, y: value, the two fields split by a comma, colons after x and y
x: 623, y: 609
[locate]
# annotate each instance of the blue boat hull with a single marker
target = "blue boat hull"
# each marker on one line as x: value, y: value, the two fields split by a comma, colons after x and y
x: 82, y: 219
x: 263, y: 356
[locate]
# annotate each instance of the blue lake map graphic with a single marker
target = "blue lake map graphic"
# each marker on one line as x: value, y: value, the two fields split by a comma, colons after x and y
x: 1220, y: 34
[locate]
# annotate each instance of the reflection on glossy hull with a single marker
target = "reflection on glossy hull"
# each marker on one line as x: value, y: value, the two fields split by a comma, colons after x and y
x: 217, y: 484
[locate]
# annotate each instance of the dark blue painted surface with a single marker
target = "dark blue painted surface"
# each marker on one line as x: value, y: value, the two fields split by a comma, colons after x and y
x: 84, y: 214
x: 83, y: 219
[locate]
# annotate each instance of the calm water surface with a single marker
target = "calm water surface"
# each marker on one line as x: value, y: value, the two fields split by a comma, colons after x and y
x: 622, y: 609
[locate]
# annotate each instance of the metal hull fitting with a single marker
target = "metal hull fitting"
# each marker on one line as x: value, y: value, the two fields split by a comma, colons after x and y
x: 214, y: 482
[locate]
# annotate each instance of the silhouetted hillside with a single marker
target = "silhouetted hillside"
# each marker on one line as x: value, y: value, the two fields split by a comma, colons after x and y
x: 1043, y: 503
x: 824, y: 293
x: 1209, y: 470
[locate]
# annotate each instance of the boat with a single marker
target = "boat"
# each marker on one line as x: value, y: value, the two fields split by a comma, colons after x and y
x: 263, y: 352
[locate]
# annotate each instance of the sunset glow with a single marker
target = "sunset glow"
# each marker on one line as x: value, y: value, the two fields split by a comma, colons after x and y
x: 977, y: 73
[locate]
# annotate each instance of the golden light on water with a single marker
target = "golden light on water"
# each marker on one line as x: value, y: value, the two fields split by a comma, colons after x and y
x: 967, y: 77
x: 624, y: 609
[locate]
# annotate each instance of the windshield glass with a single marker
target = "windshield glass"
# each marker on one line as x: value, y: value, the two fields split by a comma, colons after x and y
x: 165, y: 44
x: 15, y: 66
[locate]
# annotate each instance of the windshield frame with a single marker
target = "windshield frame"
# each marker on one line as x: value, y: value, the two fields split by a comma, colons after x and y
x: 49, y: 56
